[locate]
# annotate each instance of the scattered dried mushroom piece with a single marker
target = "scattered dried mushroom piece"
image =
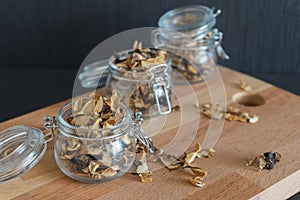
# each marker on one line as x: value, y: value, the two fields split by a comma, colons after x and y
x: 146, y: 176
x: 185, y: 162
x: 244, y: 86
x: 196, y: 181
x: 199, y: 172
x: 171, y: 162
x: 265, y: 161
x: 206, y: 154
x: 270, y: 160
x: 215, y: 111
x: 141, y: 163
x: 250, y: 161
x: 189, y: 158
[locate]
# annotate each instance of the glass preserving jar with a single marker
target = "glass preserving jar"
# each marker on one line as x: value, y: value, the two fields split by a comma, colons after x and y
x: 188, y: 33
x: 147, y: 91
x: 92, y: 157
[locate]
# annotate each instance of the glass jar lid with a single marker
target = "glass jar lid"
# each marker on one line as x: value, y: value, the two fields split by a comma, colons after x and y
x: 21, y: 148
x: 185, y: 19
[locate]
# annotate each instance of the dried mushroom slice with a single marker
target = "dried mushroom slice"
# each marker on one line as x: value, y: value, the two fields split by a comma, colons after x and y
x: 99, y: 105
x: 77, y: 106
x: 97, y: 124
x: 88, y: 108
x: 82, y: 120
x: 199, y: 172
x: 213, y: 111
x: 245, y: 86
x: 189, y: 158
x: 109, y: 172
x: 206, y: 154
x: 106, y: 159
x: 250, y: 118
x: 277, y: 156
x: 141, y: 163
x: 196, y: 181
x: 73, y: 145
x: 115, y: 100
x: 271, y: 159
x: 250, y: 161
x: 171, y: 162
x: 153, y: 157
x: 143, y: 167
x: 262, y: 162
x: 146, y: 176
x: 265, y: 161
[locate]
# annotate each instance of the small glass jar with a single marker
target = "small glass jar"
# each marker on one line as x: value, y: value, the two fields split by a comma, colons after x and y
x: 92, y: 157
x: 147, y: 91
x: 97, y: 155
x: 188, y: 33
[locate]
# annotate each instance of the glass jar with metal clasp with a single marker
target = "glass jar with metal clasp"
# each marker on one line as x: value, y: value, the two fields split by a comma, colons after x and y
x: 83, y: 154
x: 145, y: 87
x: 194, y: 45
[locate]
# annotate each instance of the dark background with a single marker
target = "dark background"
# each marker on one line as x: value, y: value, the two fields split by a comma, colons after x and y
x: 43, y: 42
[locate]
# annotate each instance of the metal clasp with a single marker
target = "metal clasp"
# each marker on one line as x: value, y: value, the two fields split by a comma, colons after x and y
x: 160, y: 83
x: 215, y: 11
x: 218, y: 37
x: 140, y: 134
x: 50, y: 123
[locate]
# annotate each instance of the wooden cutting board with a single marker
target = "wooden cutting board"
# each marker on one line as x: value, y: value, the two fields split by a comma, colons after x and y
x: 228, y: 177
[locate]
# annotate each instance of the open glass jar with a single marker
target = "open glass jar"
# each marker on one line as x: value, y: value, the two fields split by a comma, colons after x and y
x: 188, y: 33
x: 146, y: 89
x: 89, y: 155
x: 83, y: 154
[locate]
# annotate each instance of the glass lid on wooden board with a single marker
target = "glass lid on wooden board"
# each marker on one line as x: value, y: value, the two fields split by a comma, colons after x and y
x: 21, y: 148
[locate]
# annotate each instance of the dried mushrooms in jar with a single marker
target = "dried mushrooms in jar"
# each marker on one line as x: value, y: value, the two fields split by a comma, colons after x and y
x: 95, y: 148
x: 130, y: 75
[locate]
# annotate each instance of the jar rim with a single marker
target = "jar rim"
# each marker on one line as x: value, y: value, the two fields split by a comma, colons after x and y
x: 123, y: 125
x: 203, y: 19
x: 161, y: 40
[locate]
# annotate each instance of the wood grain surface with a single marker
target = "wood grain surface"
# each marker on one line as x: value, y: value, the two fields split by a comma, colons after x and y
x: 228, y: 177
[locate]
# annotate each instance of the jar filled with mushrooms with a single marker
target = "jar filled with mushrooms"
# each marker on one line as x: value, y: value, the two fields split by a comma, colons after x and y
x: 188, y: 33
x: 142, y: 78
x: 96, y: 139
